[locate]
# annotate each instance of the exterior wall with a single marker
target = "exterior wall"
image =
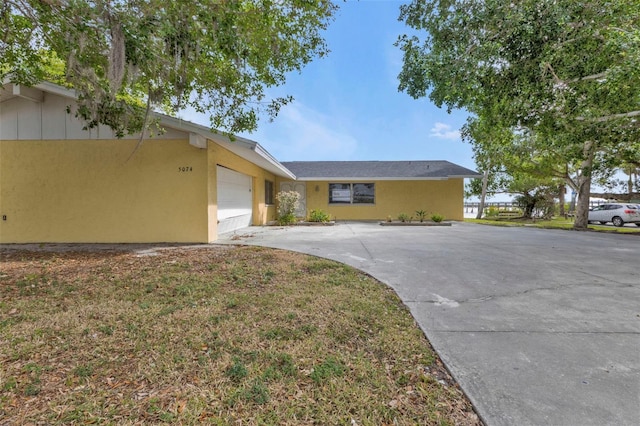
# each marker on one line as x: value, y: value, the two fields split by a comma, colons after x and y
x: 217, y: 155
x: 87, y: 191
x: 445, y: 197
x: 23, y: 119
x: 62, y: 183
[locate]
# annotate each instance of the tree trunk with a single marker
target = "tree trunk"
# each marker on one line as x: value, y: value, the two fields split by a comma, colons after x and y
x: 483, y: 196
x: 561, y: 191
x: 582, y: 206
x: 584, y: 187
x: 630, y: 183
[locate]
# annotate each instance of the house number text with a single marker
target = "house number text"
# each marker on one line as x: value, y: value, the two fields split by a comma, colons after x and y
x: 185, y: 169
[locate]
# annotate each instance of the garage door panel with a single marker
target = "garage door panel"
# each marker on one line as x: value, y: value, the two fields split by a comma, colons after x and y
x: 235, y: 200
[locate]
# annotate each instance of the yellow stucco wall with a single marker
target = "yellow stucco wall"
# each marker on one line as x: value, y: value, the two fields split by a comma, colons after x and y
x: 445, y: 197
x: 87, y: 191
x: 262, y: 213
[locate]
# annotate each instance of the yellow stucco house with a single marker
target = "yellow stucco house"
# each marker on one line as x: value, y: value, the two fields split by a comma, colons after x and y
x: 61, y: 183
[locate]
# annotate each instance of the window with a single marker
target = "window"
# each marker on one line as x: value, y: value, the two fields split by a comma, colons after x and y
x: 339, y: 193
x: 351, y: 193
x: 268, y: 192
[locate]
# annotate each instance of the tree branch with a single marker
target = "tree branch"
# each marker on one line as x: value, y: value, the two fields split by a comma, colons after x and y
x: 589, y: 77
x: 144, y: 127
x: 606, y: 118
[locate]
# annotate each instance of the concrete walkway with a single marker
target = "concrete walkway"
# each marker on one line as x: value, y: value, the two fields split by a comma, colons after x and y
x: 539, y: 327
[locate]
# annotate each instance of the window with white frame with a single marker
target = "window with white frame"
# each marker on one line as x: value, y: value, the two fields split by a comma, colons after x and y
x: 351, y: 193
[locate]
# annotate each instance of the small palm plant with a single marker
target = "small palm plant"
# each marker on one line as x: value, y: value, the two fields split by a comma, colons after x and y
x: 421, y: 215
x: 403, y: 217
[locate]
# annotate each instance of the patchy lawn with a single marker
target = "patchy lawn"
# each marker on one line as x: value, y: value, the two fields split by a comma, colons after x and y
x: 555, y: 223
x: 217, y: 335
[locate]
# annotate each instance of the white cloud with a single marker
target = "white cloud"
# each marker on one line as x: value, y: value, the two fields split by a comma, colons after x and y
x: 298, y: 133
x: 302, y: 134
x: 444, y: 131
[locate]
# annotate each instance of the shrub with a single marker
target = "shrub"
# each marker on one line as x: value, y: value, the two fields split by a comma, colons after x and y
x: 421, y: 215
x: 288, y: 202
x: 437, y: 217
x: 403, y: 217
x: 287, y: 219
x: 318, y: 215
x: 492, y: 211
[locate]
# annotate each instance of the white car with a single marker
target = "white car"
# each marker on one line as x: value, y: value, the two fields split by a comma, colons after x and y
x: 616, y: 213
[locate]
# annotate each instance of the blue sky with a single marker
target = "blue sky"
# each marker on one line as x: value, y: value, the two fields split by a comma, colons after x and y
x: 347, y: 105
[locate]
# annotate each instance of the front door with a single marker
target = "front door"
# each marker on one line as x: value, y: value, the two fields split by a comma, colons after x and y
x: 300, y: 188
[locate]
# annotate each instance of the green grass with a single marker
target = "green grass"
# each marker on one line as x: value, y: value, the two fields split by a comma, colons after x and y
x: 555, y: 223
x: 219, y: 335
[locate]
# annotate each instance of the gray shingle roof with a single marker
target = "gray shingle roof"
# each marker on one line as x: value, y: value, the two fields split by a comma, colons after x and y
x: 377, y: 170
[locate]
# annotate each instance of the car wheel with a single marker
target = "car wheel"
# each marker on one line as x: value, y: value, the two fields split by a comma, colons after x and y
x: 617, y: 221
x: 603, y: 222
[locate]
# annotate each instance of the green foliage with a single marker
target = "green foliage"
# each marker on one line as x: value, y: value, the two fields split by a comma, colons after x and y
x: 421, y: 215
x: 330, y: 367
x: 287, y: 219
x: 492, y: 211
x: 257, y: 393
x: 318, y: 215
x: 554, y: 85
x: 237, y: 371
x: 437, y: 217
x: 83, y: 371
x: 219, y: 58
x: 403, y: 217
x: 288, y: 202
x: 539, y: 201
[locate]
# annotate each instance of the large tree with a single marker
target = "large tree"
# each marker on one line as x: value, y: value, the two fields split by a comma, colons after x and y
x: 567, y: 71
x: 488, y: 139
x: 216, y: 56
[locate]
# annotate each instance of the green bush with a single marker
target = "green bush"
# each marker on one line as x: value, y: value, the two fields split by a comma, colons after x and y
x: 421, y: 215
x: 318, y: 215
x: 403, y: 217
x: 437, y: 217
x: 287, y: 219
x: 492, y: 211
x: 288, y: 202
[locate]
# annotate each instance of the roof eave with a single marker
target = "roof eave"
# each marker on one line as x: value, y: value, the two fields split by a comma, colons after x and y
x: 249, y: 150
x: 367, y: 179
x: 476, y: 176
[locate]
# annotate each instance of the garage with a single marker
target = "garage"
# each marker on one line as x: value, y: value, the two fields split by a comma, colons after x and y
x: 235, y: 200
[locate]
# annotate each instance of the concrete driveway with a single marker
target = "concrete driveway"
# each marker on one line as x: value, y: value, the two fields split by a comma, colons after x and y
x: 539, y: 327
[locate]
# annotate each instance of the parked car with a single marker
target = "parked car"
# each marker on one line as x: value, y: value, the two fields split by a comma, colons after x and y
x: 616, y: 213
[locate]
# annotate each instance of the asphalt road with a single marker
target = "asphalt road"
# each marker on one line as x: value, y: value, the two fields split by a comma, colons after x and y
x: 539, y: 327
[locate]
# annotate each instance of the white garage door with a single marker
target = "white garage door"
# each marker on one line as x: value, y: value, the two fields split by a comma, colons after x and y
x: 235, y: 200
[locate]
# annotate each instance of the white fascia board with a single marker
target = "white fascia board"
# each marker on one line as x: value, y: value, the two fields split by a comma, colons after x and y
x: 478, y: 176
x: 245, y: 148
x: 259, y: 149
x: 45, y: 86
x: 365, y: 179
x: 57, y: 90
x: 255, y: 153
